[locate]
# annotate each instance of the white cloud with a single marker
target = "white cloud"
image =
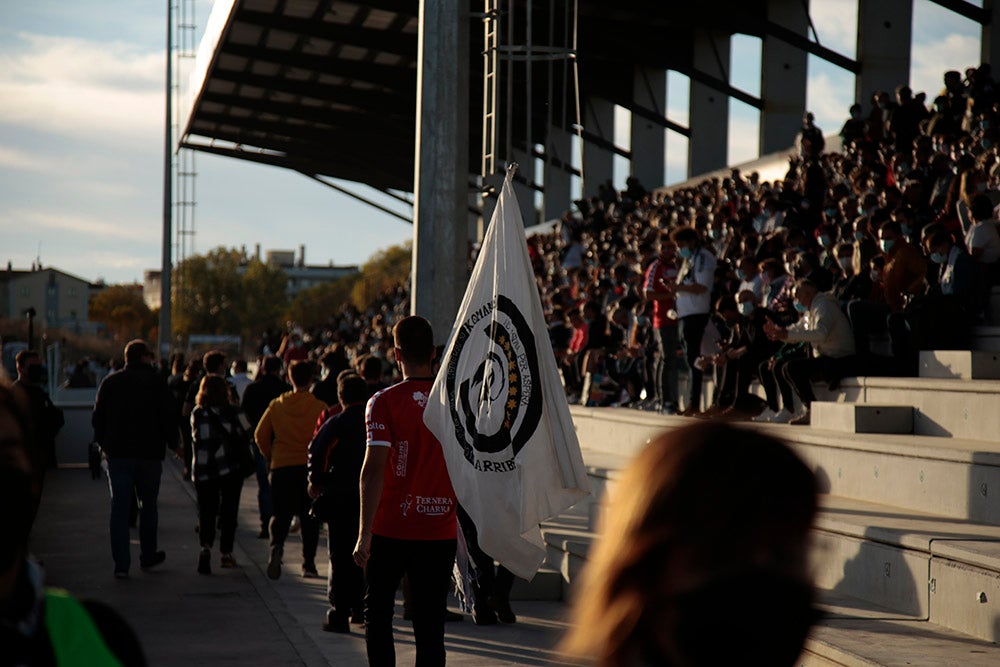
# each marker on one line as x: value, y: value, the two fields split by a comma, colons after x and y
x: 13, y: 158
x: 931, y: 60
x: 96, y: 230
x: 836, y: 23
x: 74, y: 86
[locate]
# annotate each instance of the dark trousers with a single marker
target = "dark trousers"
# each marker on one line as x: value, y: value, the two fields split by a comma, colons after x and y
x: 734, y: 387
x: 491, y: 581
x: 799, y: 373
x: 345, y: 581
x: 289, y: 492
x: 868, y: 317
x: 774, y: 383
x: 125, y: 478
x: 428, y: 564
x: 665, y: 371
x: 219, y: 497
x: 264, y: 504
x: 692, y: 328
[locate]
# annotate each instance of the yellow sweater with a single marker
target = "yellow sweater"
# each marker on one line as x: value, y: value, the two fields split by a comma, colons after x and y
x: 286, y: 428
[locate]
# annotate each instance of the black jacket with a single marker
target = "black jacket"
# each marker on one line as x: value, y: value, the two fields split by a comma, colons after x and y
x: 259, y: 394
x: 337, y: 452
x: 135, y: 415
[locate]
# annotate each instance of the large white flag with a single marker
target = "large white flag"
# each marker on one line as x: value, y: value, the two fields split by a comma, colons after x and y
x: 498, y: 407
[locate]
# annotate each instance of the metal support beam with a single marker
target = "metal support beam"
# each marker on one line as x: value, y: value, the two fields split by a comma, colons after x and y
x: 783, y: 77
x: 648, y: 138
x: 556, y: 197
x: 719, y: 84
x: 800, y: 41
x: 709, y: 108
x: 525, y: 187
x: 990, y: 39
x: 981, y: 15
x: 653, y: 117
x: 441, y: 174
x: 354, y: 195
x: 885, y: 35
x: 599, y: 143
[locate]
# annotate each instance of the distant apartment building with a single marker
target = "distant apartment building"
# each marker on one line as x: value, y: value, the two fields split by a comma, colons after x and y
x: 60, y: 299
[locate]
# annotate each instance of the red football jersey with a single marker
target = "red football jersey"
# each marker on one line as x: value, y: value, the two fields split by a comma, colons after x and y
x: 418, y: 502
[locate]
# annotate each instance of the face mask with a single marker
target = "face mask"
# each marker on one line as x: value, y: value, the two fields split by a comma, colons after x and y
x: 846, y: 263
x: 980, y: 187
x: 642, y: 320
x: 746, y: 307
x: 874, y: 275
x: 859, y: 236
x: 686, y: 253
x: 887, y: 244
x: 799, y: 306
x: 825, y: 240
x: 906, y: 229
x: 831, y: 213
x: 741, y: 274
x: 714, y: 234
x: 938, y: 258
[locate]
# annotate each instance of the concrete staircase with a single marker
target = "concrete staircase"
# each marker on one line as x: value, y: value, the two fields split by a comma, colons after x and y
x: 907, y: 544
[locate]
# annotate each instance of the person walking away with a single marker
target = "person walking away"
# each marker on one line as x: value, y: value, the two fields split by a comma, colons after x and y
x: 408, y: 523
x: 266, y: 387
x: 46, y: 418
x: 283, y: 436
x: 218, y: 431
x: 134, y: 422
x: 336, y: 454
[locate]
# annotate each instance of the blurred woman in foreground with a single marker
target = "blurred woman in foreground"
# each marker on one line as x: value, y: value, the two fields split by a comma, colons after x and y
x: 702, y: 556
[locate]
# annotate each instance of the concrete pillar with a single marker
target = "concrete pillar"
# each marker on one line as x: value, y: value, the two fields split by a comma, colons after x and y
x: 649, y: 139
x: 885, y: 34
x: 783, y: 77
x: 990, y: 42
x: 557, y: 198
x: 441, y: 176
x: 599, y: 119
x: 708, y: 147
x: 525, y: 194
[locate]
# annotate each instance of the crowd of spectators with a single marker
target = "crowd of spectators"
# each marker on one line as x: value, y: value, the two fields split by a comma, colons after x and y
x: 887, y: 245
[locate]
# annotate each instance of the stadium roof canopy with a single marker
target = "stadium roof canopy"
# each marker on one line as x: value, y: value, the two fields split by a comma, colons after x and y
x: 328, y: 87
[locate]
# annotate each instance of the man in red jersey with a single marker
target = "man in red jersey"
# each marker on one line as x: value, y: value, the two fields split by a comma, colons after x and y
x: 408, y: 523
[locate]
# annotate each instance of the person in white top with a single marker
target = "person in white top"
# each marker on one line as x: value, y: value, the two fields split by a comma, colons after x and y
x: 983, y: 238
x: 750, y: 278
x: 823, y: 325
x: 694, y: 301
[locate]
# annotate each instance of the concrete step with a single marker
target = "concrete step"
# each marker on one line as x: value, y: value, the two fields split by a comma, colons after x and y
x: 857, y: 633
x: 862, y: 417
x: 960, y: 365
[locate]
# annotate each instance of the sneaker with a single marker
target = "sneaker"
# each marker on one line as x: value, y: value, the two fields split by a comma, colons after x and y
x: 148, y: 562
x: 309, y: 571
x: 228, y: 561
x: 483, y: 614
x: 295, y: 526
x: 274, y: 562
x: 801, y: 419
x: 782, y: 417
x: 767, y: 416
x: 263, y: 534
x: 205, y: 561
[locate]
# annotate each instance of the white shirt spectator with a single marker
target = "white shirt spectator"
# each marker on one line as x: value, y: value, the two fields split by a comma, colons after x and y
x: 984, y: 235
x: 826, y: 327
x: 755, y: 285
x: 699, y: 269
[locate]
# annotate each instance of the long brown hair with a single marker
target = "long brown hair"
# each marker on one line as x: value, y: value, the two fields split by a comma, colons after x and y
x: 697, y: 505
x: 213, y: 392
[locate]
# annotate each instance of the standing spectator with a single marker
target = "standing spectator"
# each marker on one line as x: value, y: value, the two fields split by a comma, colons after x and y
x: 240, y: 378
x: 854, y: 128
x: 982, y: 239
x: 46, y: 418
x: 219, y: 430
x: 336, y: 454
x: 408, y: 523
x: 694, y: 301
x: 810, y: 139
x: 267, y: 386
x: 134, y: 423
x: 661, y: 276
x: 330, y: 367
x: 825, y: 327
x: 283, y: 436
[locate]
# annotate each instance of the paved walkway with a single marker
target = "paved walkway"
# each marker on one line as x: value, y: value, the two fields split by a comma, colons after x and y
x: 238, y: 616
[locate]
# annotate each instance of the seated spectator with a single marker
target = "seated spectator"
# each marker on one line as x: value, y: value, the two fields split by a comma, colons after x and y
x: 825, y: 327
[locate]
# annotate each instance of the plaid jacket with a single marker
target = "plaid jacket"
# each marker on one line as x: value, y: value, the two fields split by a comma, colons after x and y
x: 216, y: 433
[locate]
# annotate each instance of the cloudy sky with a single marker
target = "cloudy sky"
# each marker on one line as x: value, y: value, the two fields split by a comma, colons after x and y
x: 81, y: 139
